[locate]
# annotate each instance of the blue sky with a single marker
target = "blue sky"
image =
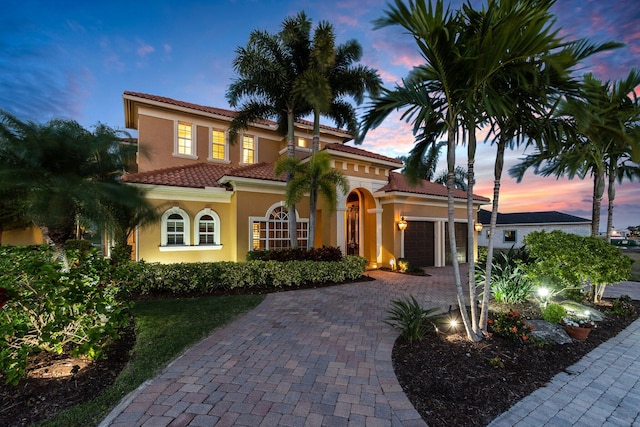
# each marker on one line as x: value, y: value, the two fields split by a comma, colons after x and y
x: 73, y: 59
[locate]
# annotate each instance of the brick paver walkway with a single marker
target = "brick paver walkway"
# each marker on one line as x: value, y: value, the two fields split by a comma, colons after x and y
x: 309, y: 357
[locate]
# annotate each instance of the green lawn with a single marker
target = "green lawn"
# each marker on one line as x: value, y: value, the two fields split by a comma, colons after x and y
x: 635, y: 267
x: 164, y: 328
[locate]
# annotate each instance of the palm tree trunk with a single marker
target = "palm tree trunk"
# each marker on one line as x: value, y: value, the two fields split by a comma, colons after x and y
x: 451, y: 164
x: 471, y: 154
x: 598, y: 190
x: 313, y: 194
x: 611, y: 195
x: 291, y: 153
x: 497, y: 172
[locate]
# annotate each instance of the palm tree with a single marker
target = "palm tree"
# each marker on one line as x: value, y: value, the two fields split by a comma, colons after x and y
x: 330, y: 78
x: 600, y: 139
x: 66, y: 175
x: 471, y: 57
x: 314, y: 176
x: 433, y: 95
x: 268, y: 68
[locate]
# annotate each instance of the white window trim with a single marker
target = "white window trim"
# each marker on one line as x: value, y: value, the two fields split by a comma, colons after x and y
x: 187, y: 227
x: 194, y: 140
x: 226, y: 146
x: 255, y: 148
x: 216, y: 228
x: 267, y: 216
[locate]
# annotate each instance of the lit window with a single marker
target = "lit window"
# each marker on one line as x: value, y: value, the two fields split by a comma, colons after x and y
x: 217, y: 145
x: 248, y: 149
x: 510, y: 236
x: 272, y: 231
x: 175, y: 228
x: 302, y: 142
x: 185, y: 141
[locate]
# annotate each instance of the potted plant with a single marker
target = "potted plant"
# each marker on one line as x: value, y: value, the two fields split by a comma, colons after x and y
x: 578, y: 327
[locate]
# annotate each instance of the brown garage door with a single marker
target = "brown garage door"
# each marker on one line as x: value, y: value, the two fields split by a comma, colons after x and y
x: 419, y: 243
x: 461, y: 243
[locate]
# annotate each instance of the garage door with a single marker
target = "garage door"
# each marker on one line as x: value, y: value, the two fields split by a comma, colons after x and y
x: 461, y: 243
x: 419, y: 243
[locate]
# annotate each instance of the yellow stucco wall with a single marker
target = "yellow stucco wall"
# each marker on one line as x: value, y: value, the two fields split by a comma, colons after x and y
x: 149, y: 237
x: 24, y: 237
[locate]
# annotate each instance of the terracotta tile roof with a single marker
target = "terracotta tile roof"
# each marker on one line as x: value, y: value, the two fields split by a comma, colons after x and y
x: 197, y: 175
x: 544, y: 217
x: 260, y: 170
x: 220, y: 111
x: 360, y: 152
x: 399, y: 182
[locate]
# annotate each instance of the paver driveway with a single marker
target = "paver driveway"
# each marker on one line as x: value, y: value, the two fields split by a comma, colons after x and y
x: 309, y: 357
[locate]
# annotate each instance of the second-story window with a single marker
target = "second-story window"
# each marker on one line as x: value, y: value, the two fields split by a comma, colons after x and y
x: 218, y: 147
x: 185, y: 138
x: 248, y: 149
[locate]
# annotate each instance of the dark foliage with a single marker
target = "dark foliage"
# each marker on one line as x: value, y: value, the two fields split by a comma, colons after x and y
x: 325, y: 253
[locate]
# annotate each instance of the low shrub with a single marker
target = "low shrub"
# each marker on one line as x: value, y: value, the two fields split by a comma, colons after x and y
x: 510, y: 325
x: 46, y: 307
x: 622, y: 306
x: 190, y: 278
x: 410, y: 319
x: 553, y: 313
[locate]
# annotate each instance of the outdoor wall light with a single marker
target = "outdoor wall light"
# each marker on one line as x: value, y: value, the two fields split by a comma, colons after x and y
x: 402, y: 224
x: 477, y: 226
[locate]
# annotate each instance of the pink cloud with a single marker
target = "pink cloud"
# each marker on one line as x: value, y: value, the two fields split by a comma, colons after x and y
x: 144, y: 49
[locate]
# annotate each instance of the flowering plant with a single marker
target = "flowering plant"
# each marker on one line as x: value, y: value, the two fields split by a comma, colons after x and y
x: 511, y: 325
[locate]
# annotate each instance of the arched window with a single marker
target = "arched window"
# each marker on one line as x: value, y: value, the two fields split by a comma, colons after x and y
x: 272, y: 231
x: 175, y: 228
x: 207, y: 228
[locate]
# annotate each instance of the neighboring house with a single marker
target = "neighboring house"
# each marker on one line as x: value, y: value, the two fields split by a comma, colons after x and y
x: 511, y: 228
x: 220, y: 200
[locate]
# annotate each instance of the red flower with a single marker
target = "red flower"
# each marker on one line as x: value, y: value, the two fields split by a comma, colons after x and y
x: 490, y: 321
x: 524, y: 338
x: 514, y: 329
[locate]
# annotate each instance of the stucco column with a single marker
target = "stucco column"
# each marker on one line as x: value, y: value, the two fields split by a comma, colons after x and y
x: 439, y: 244
x: 378, y: 213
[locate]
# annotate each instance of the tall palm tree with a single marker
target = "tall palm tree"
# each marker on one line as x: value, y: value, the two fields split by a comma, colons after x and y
x: 66, y: 175
x: 600, y: 139
x: 330, y: 78
x: 314, y: 176
x: 471, y: 57
x: 268, y: 69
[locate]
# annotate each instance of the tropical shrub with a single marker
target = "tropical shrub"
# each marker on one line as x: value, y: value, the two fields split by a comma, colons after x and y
x: 48, y: 308
x: 509, y: 283
x: 565, y: 260
x: 410, y: 319
x: 510, y: 325
x: 553, y: 313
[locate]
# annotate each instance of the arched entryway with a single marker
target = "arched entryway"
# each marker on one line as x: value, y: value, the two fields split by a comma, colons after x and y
x: 362, y: 221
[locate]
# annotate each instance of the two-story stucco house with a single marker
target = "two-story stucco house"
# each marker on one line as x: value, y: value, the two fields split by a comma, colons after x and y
x: 218, y: 200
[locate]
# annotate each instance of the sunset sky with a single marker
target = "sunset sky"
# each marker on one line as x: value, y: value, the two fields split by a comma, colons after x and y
x: 70, y: 59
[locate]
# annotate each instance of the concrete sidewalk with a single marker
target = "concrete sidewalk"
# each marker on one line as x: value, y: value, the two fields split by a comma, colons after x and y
x: 323, y: 357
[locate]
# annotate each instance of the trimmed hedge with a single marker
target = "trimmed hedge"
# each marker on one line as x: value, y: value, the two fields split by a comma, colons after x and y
x: 186, y: 278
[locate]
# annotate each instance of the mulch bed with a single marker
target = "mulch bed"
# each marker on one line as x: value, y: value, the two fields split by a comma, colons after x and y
x: 454, y: 382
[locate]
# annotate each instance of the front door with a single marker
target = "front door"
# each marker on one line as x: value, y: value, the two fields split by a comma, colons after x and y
x: 353, y: 224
